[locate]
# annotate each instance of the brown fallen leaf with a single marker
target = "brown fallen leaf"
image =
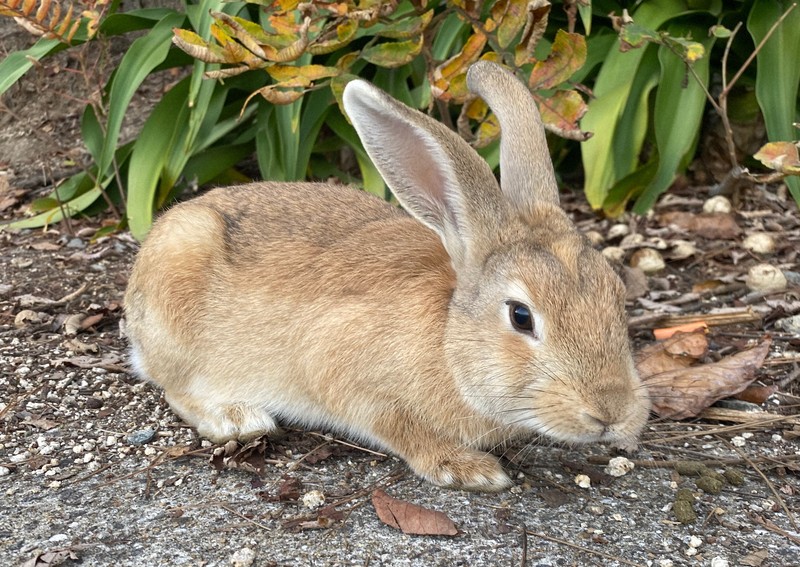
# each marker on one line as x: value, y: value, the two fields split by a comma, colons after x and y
x: 679, y: 351
x: 755, y: 559
x: 707, y: 225
x: 410, y: 518
x: 45, y: 246
x: 51, y: 558
x: 685, y: 392
x: 756, y: 394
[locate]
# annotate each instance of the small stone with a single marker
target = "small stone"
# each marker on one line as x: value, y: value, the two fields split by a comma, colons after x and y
x: 719, y: 562
x: 738, y: 441
x: 763, y: 277
x: 58, y: 538
x: 5, y: 471
x: 76, y: 243
x: 789, y: 324
x: 595, y: 237
x: 618, y: 231
x: 243, y: 557
x: 718, y: 204
x: 682, y: 249
x: 619, y: 466
x: 583, y: 481
x: 648, y: 260
x: 94, y: 403
x: 141, y: 437
x: 111, y: 441
x: 613, y: 253
x: 632, y: 241
x: 313, y: 499
x: 695, y: 541
x: 760, y: 243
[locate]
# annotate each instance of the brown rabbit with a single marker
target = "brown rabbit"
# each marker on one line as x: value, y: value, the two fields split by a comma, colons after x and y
x: 479, y: 316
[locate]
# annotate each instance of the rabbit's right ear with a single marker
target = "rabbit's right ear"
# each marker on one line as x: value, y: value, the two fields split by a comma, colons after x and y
x: 435, y: 175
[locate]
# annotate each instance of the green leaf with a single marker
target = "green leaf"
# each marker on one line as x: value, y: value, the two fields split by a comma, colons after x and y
x: 144, y: 55
x: 394, y: 53
x: 616, y: 109
x: 778, y: 71
x: 677, y: 96
x: 373, y: 182
x: 18, y: 62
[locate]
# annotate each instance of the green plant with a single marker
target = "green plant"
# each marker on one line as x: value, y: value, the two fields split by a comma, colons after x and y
x: 665, y: 47
x: 295, y: 59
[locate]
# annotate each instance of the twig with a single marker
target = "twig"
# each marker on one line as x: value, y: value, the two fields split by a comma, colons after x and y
x: 242, y: 516
x: 581, y: 548
x: 346, y: 444
x: 773, y: 528
x: 524, y: 559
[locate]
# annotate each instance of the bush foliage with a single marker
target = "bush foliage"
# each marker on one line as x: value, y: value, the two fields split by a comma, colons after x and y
x: 266, y: 77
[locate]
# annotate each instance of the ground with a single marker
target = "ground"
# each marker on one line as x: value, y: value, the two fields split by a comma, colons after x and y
x: 96, y: 469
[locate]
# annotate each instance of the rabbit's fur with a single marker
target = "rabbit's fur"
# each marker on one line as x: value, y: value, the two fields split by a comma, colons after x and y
x: 323, y: 306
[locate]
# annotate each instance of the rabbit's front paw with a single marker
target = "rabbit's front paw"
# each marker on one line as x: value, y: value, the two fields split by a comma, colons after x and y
x: 465, y: 469
x: 222, y: 422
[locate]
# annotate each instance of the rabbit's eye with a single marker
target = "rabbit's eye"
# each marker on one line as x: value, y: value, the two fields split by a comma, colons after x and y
x: 521, y: 317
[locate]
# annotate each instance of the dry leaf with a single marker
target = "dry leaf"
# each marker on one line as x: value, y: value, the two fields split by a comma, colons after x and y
x: 410, y: 518
x: 45, y: 246
x: 675, y: 353
x: 685, y: 392
x: 707, y: 225
x: 756, y: 394
x: 289, y: 490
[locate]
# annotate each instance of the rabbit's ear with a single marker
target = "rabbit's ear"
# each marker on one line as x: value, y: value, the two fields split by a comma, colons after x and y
x: 526, y: 170
x: 435, y: 175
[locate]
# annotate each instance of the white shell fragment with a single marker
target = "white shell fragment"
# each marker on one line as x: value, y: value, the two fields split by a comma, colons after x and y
x: 243, y: 557
x: 583, y: 481
x: 763, y: 277
x: 648, y: 260
x: 760, y: 243
x: 718, y: 204
x: 619, y: 466
x: 313, y: 499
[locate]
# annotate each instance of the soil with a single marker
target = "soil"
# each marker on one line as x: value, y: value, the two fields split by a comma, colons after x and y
x: 95, y: 469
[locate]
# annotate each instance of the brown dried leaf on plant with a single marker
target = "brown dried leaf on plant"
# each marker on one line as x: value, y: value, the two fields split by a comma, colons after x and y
x: 680, y: 391
x: 410, y: 518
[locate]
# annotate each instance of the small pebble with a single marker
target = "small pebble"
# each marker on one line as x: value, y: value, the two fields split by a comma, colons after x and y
x: 760, y: 243
x: 141, y: 437
x: 718, y: 204
x: 619, y: 466
x: 5, y: 471
x: 583, y: 481
x: 243, y: 557
x: 719, y: 562
x: 648, y: 260
x: 613, y: 253
x: 313, y: 499
x: 764, y: 277
x: 58, y: 538
x: 618, y: 231
x: 76, y: 243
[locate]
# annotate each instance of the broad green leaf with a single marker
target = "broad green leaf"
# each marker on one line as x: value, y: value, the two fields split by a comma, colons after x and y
x: 17, y: 63
x: 568, y: 54
x: 778, y: 71
x: 71, y: 208
x: 371, y: 178
x: 633, y: 36
x: 393, y: 54
x: 627, y: 188
x: 150, y: 154
x: 607, y: 155
x: 144, y: 55
x: 676, y: 139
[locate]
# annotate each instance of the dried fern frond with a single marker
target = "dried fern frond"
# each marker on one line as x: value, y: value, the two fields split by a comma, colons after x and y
x: 47, y: 18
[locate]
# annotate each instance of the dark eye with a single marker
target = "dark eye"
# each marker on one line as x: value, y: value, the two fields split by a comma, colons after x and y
x: 521, y: 317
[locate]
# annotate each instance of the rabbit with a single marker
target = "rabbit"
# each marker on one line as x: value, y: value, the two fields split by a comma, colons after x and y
x: 476, y: 315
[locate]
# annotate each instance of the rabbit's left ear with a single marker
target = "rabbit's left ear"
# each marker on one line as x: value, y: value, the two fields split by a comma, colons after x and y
x: 526, y: 169
x: 435, y: 175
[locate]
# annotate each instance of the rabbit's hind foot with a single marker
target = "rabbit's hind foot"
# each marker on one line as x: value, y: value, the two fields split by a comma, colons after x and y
x: 222, y: 422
